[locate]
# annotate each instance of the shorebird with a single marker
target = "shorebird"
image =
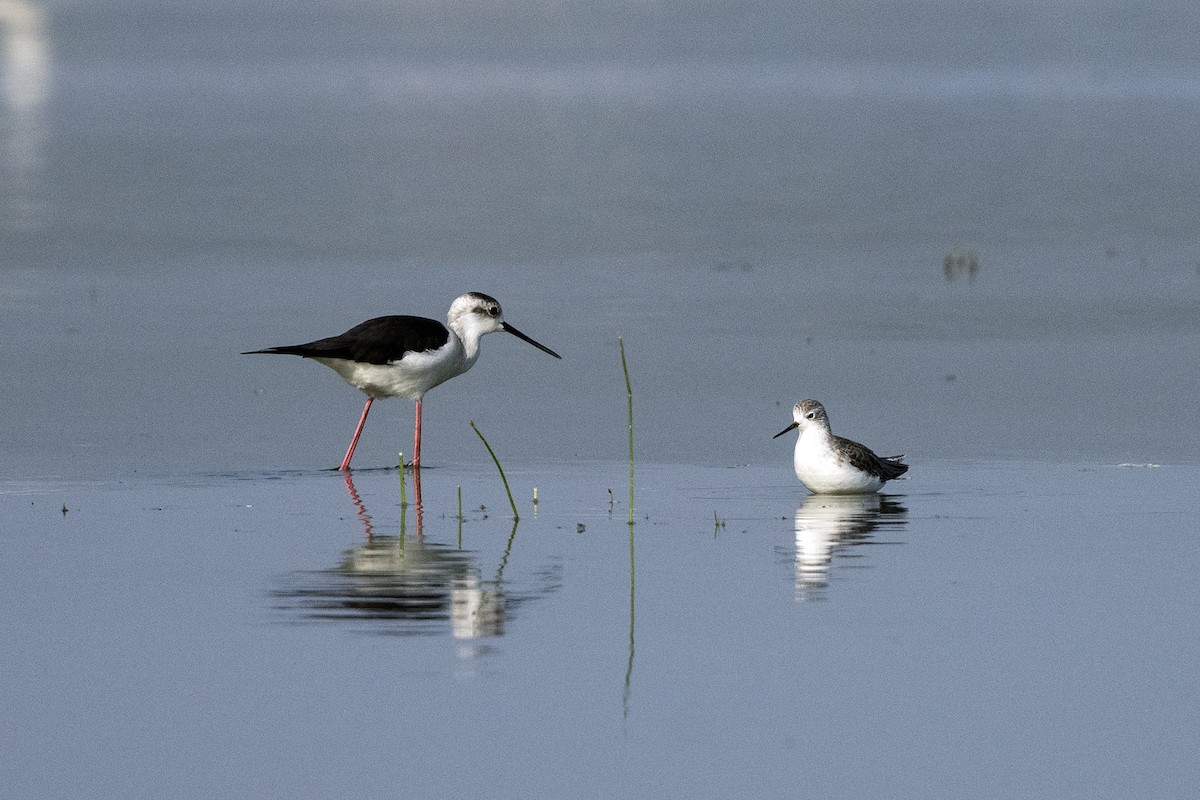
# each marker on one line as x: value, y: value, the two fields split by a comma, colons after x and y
x: 401, y: 356
x: 829, y: 464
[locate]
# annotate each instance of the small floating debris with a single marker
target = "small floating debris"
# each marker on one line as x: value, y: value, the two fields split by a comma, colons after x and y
x: 1140, y: 466
x: 960, y: 261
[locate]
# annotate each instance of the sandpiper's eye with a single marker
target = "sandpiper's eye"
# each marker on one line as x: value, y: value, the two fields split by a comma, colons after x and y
x: 811, y: 415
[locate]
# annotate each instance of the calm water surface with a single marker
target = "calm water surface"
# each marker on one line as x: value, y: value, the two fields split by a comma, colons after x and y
x: 969, y: 229
x: 986, y: 628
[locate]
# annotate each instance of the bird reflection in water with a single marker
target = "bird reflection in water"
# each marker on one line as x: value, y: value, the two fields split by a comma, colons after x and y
x: 831, y: 524
x: 403, y: 585
x: 25, y: 63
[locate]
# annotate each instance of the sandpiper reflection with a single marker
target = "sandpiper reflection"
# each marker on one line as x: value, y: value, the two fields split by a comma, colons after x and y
x: 831, y: 524
x: 404, y: 584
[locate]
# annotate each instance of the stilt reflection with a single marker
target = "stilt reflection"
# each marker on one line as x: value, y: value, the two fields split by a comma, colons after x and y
x: 828, y: 525
x: 407, y: 584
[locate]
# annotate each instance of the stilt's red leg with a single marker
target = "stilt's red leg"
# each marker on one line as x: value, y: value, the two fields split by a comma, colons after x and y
x: 357, y: 432
x: 416, y: 473
x: 417, y: 438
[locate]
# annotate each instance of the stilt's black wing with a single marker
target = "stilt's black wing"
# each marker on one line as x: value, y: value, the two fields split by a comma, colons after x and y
x: 376, y: 341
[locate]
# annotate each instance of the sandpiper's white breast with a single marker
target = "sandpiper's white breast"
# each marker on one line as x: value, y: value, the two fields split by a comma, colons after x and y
x: 822, y: 469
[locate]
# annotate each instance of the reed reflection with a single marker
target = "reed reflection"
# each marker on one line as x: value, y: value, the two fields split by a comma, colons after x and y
x: 406, y: 584
x: 829, y: 525
x: 24, y: 72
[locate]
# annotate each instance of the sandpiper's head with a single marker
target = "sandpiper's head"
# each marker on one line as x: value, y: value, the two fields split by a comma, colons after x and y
x: 807, y: 415
x: 474, y: 314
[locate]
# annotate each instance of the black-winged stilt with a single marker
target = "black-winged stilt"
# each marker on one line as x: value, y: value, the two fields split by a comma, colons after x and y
x: 401, y: 356
x: 829, y: 464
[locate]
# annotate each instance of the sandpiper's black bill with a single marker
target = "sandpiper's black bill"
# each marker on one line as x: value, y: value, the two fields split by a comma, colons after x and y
x: 791, y: 427
x: 525, y: 338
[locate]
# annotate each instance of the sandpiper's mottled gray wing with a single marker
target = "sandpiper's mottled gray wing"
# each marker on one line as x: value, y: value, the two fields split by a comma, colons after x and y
x: 861, y: 457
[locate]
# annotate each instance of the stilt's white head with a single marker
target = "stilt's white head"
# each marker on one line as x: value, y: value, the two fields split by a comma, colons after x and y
x: 474, y: 314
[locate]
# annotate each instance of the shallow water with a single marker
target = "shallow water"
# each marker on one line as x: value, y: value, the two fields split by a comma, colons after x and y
x: 993, y: 628
x: 969, y: 230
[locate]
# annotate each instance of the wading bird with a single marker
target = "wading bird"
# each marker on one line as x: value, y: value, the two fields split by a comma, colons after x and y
x: 401, y: 356
x: 829, y: 464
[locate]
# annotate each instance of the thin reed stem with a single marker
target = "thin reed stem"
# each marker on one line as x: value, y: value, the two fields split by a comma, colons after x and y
x: 492, y: 453
x: 629, y: 394
x: 403, y: 498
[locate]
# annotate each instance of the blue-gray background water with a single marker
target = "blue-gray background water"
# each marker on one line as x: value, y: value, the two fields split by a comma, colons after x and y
x: 969, y: 228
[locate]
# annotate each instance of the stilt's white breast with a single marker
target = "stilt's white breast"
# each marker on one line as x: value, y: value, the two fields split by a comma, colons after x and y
x: 410, y: 377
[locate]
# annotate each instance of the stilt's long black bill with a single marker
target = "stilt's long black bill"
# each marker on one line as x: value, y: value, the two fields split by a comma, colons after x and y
x: 525, y: 338
x: 791, y: 427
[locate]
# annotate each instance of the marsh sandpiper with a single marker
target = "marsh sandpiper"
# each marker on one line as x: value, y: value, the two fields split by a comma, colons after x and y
x: 829, y: 464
